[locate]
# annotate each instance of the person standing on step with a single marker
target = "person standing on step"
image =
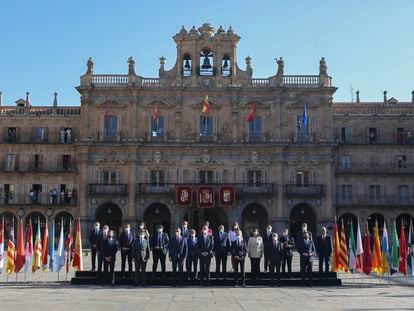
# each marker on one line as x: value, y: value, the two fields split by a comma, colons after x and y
x: 177, y: 253
x: 93, y: 237
x: 275, y: 257
x: 110, y: 248
x: 159, y: 246
x: 238, y: 256
x: 299, y: 234
x: 205, y: 243
x: 184, y: 229
x: 288, y: 244
x: 99, y: 249
x: 192, y: 256
x: 323, y: 245
x: 306, y: 250
x: 126, y: 239
x: 267, y: 239
x: 142, y: 226
x: 255, y: 252
x: 221, y: 250
x: 141, y: 255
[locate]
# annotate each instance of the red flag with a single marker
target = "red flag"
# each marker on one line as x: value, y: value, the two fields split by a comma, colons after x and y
x: 343, y: 250
x: 77, y: 258
x: 45, y: 247
x: 402, y: 261
x: 154, y: 114
x: 252, y: 113
x: 69, y: 247
x: 367, y: 252
x: 335, y: 249
x: 21, y: 253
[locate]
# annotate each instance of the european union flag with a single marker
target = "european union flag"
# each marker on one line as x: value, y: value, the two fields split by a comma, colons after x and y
x: 305, y: 115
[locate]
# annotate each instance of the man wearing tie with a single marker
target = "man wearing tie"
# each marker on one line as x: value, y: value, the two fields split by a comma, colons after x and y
x: 275, y: 257
x: 178, y: 251
x: 93, y: 237
x: 288, y: 244
x: 238, y: 256
x: 306, y: 250
x: 160, y: 242
x: 126, y: 239
x: 323, y: 245
x: 299, y: 234
x: 140, y: 254
x: 267, y: 239
x: 205, y: 243
x: 192, y: 256
x: 221, y: 250
x: 184, y: 229
x: 99, y: 249
x: 110, y: 247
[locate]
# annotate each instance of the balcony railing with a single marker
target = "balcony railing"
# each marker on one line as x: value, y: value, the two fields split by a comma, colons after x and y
x: 108, y: 189
x: 311, y: 191
x: 363, y: 138
x: 378, y: 108
x: 39, y: 111
x: 156, y: 188
x: 301, y: 81
x: 39, y: 198
x: 374, y: 168
x: 110, y: 79
x: 380, y: 200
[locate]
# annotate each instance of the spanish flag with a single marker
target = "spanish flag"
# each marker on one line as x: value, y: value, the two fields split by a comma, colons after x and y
x: 376, y: 252
x: 45, y: 247
x: 206, y: 106
x: 77, y: 257
x: 11, y: 251
x: 37, y: 256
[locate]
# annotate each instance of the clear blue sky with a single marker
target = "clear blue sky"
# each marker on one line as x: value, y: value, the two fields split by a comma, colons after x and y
x: 44, y: 45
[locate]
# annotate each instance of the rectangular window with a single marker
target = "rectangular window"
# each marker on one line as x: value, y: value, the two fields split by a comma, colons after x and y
x: 302, y: 128
x: 402, y: 162
x: 345, y: 161
x: 402, y: 193
x: 206, y: 128
x: 35, y: 193
x: 65, y: 135
x: 8, y: 195
x: 157, y: 178
x: 66, y: 162
x: 346, y: 191
x: 10, y: 135
x: 11, y: 162
x: 254, y: 178
x: 111, y: 128
x: 255, y: 129
x: 39, y: 134
x: 205, y: 177
x: 36, y: 162
x: 345, y: 135
x: 374, y: 192
x: 109, y: 177
x: 372, y: 135
x: 157, y: 127
x: 302, y: 178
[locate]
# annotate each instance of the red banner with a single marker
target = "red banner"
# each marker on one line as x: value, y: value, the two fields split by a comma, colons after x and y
x: 205, y: 196
x: 184, y: 195
x: 227, y: 196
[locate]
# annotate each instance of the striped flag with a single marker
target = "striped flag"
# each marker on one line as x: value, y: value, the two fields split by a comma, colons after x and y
x: 21, y: 253
x: 367, y: 252
x: 61, y: 250
x: 206, y: 106
x: 335, y: 249
x: 37, y: 252
x: 45, y: 247
x: 394, y: 250
x: 2, y: 245
x: 385, y: 250
x: 29, y: 247
x: 77, y: 258
x: 252, y: 113
x: 11, y: 251
x: 376, y: 252
x: 343, y: 251
x: 52, y: 248
x: 352, y: 249
x: 402, y: 265
x: 410, y: 249
x: 359, y: 251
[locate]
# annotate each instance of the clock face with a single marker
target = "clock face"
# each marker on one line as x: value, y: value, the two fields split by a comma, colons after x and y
x: 206, y: 82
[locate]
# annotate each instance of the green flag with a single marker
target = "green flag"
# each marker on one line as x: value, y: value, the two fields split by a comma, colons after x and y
x: 395, y: 250
x: 352, y: 249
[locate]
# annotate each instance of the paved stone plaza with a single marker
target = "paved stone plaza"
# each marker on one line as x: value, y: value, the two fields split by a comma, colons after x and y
x: 66, y: 297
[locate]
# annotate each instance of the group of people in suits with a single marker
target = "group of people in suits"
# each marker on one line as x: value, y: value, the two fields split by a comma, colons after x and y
x: 187, y: 250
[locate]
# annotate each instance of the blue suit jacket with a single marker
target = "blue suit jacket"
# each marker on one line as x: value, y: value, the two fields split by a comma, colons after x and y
x: 178, y: 249
x: 207, y: 246
x: 110, y: 247
x: 125, y: 240
x: 192, y: 248
x: 221, y: 244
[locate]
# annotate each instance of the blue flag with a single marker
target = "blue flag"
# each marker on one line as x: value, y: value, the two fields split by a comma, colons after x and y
x: 52, y: 248
x: 305, y: 115
x: 61, y: 259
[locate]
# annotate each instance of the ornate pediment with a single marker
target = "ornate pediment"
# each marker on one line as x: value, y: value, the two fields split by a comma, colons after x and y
x: 255, y: 159
x: 158, y: 104
x: 207, y: 159
x: 157, y: 159
x: 259, y: 104
x: 303, y: 158
x: 111, y: 103
x: 211, y: 104
x: 110, y: 158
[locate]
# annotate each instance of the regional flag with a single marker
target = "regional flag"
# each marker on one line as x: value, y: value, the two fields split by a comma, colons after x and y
x: 77, y: 258
x: 335, y: 249
x: 385, y: 250
x: 410, y: 250
x: 37, y: 252
x: 359, y: 251
x: 206, y: 106
x: 343, y: 251
x: 252, y: 113
x: 402, y: 264
x: 69, y: 247
x: 11, y: 251
x: 61, y: 249
x: 45, y: 247
x: 352, y: 249
x: 154, y: 114
x: 2, y: 245
x: 52, y: 248
x: 367, y: 252
x: 376, y: 253
x: 21, y: 253
x: 29, y: 247
x: 394, y: 250
x: 305, y: 115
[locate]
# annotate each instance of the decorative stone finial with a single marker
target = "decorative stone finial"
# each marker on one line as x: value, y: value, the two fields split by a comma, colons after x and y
x: 357, y: 97
x: 230, y: 30
x: 55, y: 100
x: 131, y: 66
x: 220, y: 30
x: 385, y: 97
x: 162, y: 62
x: 323, y: 70
x: 412, y: 96
x: 27, y: 99
x: 280, y: 66
x: 248, y: 60
x: 183, y: 31
x: 1, y: 99
x: 90, y: 65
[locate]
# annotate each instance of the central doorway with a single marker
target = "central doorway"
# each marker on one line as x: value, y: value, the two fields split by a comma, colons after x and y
x: 157, y: 214
x: 110, y: 214
x: 215, y: 216
x: 302, y: 213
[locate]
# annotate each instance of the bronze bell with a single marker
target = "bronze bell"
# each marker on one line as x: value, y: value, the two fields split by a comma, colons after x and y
x: 187, y: 64
x: 206, y: 63
x: 226, y: 63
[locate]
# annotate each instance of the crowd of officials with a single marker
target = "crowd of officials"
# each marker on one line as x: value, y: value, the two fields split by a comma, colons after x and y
x: 191, y: 255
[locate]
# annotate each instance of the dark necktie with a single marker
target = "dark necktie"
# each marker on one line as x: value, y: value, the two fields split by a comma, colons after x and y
x: 159, y: 240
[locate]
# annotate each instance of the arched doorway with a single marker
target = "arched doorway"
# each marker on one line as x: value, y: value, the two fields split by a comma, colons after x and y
x: 371, y: 222
x: 8, y: 221
x: 36, y: 217
x: 348, y: 218
x: 302, y: 213
x: 405, y: 220
x: 66, y: 218
x: 157, y: 214
x: 253, y: 216
x: 110, y: 214
x: 215, y: 216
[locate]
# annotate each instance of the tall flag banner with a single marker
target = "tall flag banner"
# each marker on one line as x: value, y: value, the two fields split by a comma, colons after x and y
x: 352, y: 249
x: 206, y: 106
x: 21, y: 253
x: 11, y: 251
x: 2, y: 245
x: 385, y: 250
x: 52, y: 248
x: 61, y: 250
x: 335, y: 249
x: 376, y: 252
x: 359, y: 251
x: 77, y: 258
x: 252, y: 113
x: 394, y: 250
x: 69, y: 247
x: 402, y: 265
x: 154, y: 114
x: 29, y: 247
x: 410, y: 249
x: 305, y: 115
x: 37, y: 254
x: 367, y: 252
x: 45, y: 247
x: 343, y: 251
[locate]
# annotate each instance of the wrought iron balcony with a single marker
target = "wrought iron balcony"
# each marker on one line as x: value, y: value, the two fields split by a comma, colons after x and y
x: 39, y: 198
x: 374, y: 168
x: 302, y: 191
x: 108, y: 189
x: 370, y: 200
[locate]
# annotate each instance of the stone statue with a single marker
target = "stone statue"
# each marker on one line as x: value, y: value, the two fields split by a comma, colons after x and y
x: 322, y: 67
x: 187, y: 131
x: 131, y: 66
x: 280, y: 66
x: 90, y: 66
x: 226, y: 132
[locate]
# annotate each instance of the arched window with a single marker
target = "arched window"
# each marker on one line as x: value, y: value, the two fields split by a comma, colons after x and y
x: 226, y: 66
x: 187, y: 65
x: 206, y: 59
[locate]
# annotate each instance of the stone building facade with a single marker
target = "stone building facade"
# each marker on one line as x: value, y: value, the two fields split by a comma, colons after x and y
x: 134, y: 142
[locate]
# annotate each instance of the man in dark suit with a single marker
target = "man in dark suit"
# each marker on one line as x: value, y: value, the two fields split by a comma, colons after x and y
x: 299, y: 234
x: 323, y: 245
x: 126, y: 239
x: 192, y: 256
x: 221, y: 250
x: 205, y: 243
x: 306, y: 250
x: 178, y: 251
x: 159, y: 247
x: 110, y: 247
x: 238, y: 256
x: 288, y: 244
x: 93, y: 237
x: 140, y: 254
x: 275, y: 257
x: 99, y: 249
x: 184, y: 229
x: 267, y: 239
